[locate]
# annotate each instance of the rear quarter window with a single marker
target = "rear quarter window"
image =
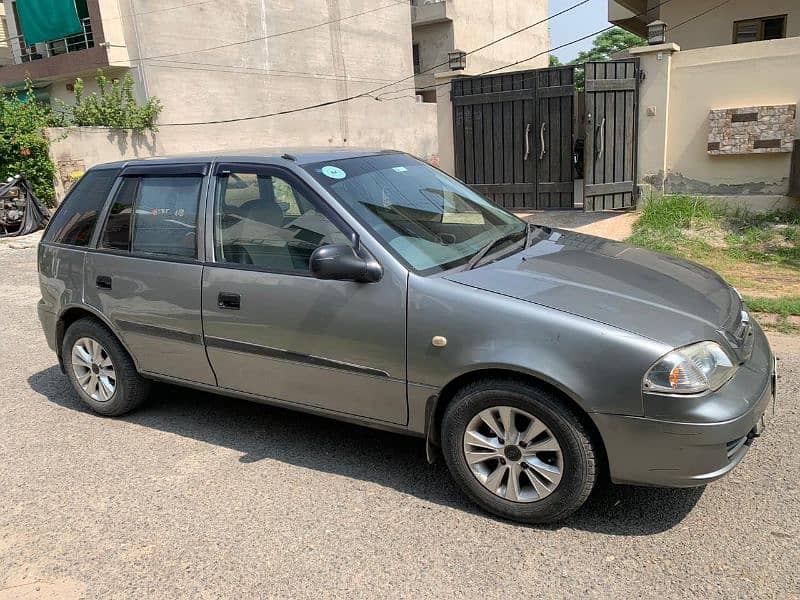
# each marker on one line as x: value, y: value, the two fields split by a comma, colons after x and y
x: 76, y: 218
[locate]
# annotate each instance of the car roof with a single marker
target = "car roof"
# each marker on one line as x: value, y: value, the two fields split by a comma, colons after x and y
x: 299, y: 156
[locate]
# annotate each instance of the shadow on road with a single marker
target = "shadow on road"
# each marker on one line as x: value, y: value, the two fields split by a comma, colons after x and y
x: 264, y: 432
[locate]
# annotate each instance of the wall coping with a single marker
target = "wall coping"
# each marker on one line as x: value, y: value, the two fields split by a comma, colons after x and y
x: 668, y: 47
x: 444, y: 75
x: 763, y: 50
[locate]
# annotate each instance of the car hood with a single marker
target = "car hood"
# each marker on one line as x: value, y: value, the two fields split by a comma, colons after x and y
x: 650, y: 294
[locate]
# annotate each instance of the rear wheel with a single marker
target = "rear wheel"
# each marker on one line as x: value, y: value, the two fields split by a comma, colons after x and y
x: 518, y: 451
x: 100, y: 369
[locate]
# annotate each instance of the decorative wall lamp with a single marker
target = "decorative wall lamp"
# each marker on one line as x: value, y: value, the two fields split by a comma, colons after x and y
x: 656, y: 33
x: 457, y: 60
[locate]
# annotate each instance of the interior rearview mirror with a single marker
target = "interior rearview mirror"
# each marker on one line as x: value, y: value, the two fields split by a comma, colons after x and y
x: 341, y: 262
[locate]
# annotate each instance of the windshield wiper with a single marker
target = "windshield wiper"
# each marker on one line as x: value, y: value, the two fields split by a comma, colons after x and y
x: 487, y: 248
x: 529, y: 235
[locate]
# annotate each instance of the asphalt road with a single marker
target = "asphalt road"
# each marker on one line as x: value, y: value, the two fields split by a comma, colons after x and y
x: 199, y: 496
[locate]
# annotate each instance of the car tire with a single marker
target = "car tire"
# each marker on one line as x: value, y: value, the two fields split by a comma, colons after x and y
x: 88, y: 349
x: 534, y: 502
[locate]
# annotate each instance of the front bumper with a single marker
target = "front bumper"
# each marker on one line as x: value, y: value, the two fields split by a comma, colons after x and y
x: 710, y: 438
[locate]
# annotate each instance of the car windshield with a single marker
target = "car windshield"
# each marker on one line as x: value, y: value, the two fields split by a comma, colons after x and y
x: 428, y: 219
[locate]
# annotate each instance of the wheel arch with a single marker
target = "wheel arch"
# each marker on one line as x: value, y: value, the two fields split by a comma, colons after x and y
x: 71, y: 314
x: 437, y: 404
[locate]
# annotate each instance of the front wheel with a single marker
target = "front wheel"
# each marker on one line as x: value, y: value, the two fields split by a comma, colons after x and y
x: 518, y: 451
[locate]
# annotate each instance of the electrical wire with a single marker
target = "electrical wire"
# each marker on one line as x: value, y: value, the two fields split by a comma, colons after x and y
x: 692, y: 18
x: 272, y: 72
x: 697, y: 16
x: 370, y: 93
x: 232, y: 68
x: 272, y: 35
x: 490, y: 71
x: 133, y: 14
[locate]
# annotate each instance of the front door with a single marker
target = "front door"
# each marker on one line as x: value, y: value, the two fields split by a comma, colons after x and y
x: 273, y: 330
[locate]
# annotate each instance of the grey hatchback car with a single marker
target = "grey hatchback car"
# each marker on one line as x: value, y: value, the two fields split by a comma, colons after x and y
x: 371, y: 287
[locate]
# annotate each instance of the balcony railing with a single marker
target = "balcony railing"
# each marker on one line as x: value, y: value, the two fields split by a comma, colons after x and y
x: 424, y: 12
x: 71, y: 43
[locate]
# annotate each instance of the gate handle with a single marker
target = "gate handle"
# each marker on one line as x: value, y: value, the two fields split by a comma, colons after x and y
x: 527, y: 141
x: 602, y: 128
x: 541, y: 139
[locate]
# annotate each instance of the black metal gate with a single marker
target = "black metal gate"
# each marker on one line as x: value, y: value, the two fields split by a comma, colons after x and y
x: 513, y: 136
x: 612, y: 98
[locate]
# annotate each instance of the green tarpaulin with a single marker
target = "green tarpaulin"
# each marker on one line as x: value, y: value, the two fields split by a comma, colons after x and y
x: 40, y: 91
x: 46, y: 20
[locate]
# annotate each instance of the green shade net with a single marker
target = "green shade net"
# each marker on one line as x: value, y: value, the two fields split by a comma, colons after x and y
x: 46, y: 20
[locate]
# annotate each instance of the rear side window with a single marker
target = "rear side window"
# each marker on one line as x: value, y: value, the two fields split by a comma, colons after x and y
x: 165, y: 219
x: 75, y: 219
x: 117, y: 234
x: 154, y: 215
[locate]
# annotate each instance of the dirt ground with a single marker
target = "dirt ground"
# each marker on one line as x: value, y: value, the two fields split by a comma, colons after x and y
x: 611, y: 225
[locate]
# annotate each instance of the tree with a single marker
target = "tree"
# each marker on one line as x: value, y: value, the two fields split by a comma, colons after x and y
x: 608, y: 43
x: 24, y: 144
x: 115, y: 106
x: 604, y: 46
x: 554, y: 62
x: 24, y: 147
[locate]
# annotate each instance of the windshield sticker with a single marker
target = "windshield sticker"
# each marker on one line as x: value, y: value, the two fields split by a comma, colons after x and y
x: 333, y: 172
x: 399, y: 169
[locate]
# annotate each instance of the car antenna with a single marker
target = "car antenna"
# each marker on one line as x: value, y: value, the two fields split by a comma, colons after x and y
x: 289, y: 157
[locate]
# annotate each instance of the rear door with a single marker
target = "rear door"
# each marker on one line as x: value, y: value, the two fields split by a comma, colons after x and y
x: 145, y: 271
x: 273, y: 330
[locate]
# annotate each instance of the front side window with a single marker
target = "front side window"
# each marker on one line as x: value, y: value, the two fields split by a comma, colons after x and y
x: 154, y: 215
x: 75, y: 219
x: 430, y: 220
x: 264, y: 220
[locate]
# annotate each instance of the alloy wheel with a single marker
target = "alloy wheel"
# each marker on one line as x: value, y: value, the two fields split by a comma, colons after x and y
x: 513, y: 454
x: 94, y: 369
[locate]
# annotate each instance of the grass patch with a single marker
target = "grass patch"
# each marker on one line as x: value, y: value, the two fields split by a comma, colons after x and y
x: 780, y: 306
x: 759, y: 253
x: 784, y: 326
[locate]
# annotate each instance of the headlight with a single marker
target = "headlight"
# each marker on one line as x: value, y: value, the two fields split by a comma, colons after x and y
x: 690, y: 370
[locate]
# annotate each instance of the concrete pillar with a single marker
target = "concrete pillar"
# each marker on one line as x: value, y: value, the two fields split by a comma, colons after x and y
x: 656, y: 62
x: 444, y: 119
x: 13, y: 33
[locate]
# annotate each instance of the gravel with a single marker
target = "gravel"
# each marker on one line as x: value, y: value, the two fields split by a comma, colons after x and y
x: 202, y: 496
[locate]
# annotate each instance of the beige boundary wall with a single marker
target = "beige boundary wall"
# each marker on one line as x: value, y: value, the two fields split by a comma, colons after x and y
x: 412, y: 130
x: 679, y: 90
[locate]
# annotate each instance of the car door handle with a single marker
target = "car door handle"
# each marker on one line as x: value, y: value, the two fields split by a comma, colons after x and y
x: 229, y: 301
x: 103, y: 282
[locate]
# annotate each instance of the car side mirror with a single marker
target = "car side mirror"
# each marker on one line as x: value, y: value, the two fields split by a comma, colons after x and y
x: 341, y: 262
